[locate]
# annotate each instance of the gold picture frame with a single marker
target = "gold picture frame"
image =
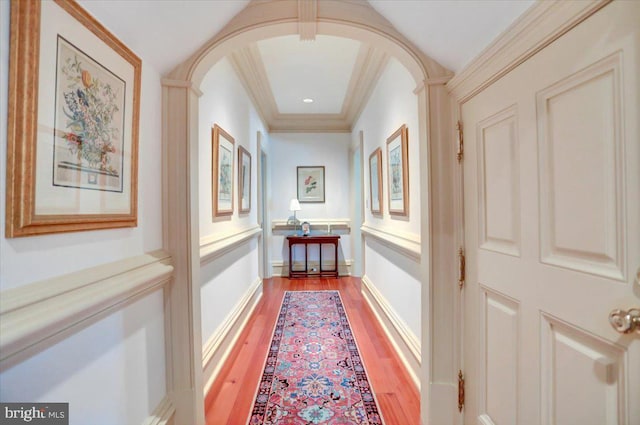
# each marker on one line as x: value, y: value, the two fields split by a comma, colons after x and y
x: 375, y: 182
x: 72, y: 139
x: 398, y: 172
x: 222, y: 171
x: 244, y: 180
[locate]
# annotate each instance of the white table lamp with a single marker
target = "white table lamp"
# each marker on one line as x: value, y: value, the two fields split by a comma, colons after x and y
x: 294, y: 206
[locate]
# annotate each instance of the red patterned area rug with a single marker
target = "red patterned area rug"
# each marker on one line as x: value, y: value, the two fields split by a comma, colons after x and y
x: 313, y: 373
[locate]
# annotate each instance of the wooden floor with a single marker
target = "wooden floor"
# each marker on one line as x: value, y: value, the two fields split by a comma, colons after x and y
x: 231, y: 396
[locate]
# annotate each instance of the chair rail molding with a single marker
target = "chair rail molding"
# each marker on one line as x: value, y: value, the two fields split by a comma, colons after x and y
x: 543, y: 23
x: 337, y: 224
x: 36, y: 316
x: 215, y: 246
x: 407, y: 244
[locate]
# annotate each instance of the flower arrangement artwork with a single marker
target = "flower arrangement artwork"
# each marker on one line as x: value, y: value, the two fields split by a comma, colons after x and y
x: 89, y: 121
x: 311, y: 184
x: 72, y: 137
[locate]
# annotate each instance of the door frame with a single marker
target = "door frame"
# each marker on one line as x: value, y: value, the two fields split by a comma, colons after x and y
x: 539, y: 26
x: 357, y: 20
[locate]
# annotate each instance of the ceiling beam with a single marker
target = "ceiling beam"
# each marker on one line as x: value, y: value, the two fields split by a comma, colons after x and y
x: 307, y: 19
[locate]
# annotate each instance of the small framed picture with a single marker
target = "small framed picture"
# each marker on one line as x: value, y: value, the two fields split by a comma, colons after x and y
x: 398, y: 171
x: 222, y: 171
x: 306, y: 228
x: 311, y: 184
x: 244, y: 180
x: 375, y: 181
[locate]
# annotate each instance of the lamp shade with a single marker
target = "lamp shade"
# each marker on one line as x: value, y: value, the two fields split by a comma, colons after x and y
x: 294, y: 205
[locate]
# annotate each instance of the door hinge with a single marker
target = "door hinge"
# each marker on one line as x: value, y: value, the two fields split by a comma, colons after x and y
x: 460, y: 150
x: 460, y: 390
x: 461, y: 267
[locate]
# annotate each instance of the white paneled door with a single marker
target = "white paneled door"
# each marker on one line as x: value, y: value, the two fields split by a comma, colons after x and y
x: 552, y: 216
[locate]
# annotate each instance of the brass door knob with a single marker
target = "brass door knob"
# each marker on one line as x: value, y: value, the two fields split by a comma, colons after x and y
x: 625, y: 322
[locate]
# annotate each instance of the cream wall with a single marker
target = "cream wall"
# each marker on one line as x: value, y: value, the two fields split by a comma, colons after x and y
x: 112, y: 371
x: 290, y: 150
x: 226, y: 279
x: 394, y: 275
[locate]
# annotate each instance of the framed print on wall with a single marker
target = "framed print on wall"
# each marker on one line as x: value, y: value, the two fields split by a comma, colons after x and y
x: 222, y: 148
x: 244, y: 180
x: 398, y: 172
x: 375, y: 181
x: 311, y: 184
x: 74, y: 106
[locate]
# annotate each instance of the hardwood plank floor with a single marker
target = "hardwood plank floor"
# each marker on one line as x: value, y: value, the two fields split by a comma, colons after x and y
x: 231, y: 397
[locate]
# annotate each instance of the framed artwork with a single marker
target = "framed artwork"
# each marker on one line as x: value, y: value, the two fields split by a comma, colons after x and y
x: 311, y: 184
x: 398, y: 172
x: 375, y: 181
x: 244, y: 180
x: 74, y: 106
x: 222, y: 148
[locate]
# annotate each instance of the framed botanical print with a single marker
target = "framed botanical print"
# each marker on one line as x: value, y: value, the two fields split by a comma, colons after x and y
x: 375, y: 181
x: 311, y: 184
x: 74, y: 105
x: 244, y: 180
x: 222, y: 148
x: 398, y: 172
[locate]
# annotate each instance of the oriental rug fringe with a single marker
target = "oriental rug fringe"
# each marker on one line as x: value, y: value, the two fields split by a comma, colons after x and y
x: 314, y: 373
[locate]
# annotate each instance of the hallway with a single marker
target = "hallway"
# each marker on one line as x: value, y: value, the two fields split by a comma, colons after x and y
x: 232, y: 395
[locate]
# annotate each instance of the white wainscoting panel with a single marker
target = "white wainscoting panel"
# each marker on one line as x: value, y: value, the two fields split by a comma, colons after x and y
x: 405, y: 342
x: 581, y: 171
x: 36, y: 316
x: 217, y: 348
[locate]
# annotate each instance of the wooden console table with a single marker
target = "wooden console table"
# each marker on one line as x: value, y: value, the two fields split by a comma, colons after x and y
x: 306, y: 241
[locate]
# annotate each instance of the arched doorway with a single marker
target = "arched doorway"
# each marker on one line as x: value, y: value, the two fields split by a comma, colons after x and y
x: 261, y: 20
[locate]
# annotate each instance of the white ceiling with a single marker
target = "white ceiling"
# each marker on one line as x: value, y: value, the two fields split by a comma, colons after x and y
x: 319, y: 70
x: 166, y: 32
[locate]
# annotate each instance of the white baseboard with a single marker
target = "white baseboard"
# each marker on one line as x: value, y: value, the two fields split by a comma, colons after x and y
x: 163, y: 414
x: 405, y: 342
x: 280, y: 268
x: 217, y: 348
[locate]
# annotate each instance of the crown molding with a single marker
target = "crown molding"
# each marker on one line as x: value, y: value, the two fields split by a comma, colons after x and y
x: 539, y: 26
x: 369, y: 65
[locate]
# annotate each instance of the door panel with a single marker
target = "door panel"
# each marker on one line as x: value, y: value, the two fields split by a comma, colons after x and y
x: 552, y: 182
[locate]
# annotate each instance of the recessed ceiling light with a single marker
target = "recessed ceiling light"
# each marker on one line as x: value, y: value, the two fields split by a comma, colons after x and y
x: 307, y: 100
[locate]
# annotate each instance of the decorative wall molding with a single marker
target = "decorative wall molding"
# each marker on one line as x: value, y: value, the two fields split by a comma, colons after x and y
x: 280, y: 268
x: 539, y: 26
x: 319, y: 224
x: 407, y: 244
x: 163, y: 414
x: 217, y: 348
x: 369, y: 65
x: 405, y: 342
x: 36, y: 316
x: 212, y: 247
